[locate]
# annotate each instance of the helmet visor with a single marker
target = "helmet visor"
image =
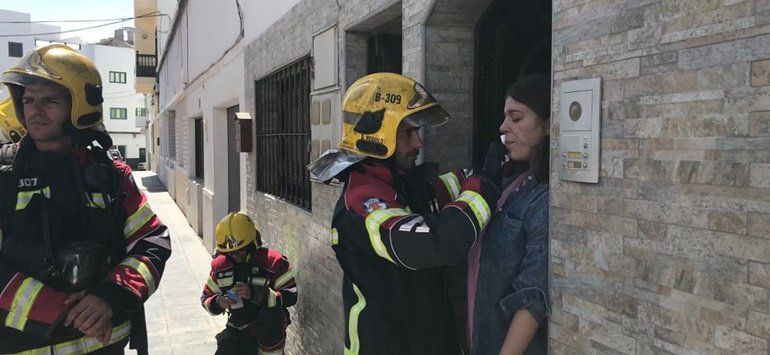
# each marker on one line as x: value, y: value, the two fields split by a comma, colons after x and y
x: 431, y: 117
x: 81, y: 265
x: 421, y: 97
x: 434, y: 116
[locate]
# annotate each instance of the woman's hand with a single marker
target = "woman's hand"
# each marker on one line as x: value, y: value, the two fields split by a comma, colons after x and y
x: 520, y: 333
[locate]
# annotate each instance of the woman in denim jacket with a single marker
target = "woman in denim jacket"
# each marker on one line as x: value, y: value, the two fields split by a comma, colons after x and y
x: 510, y: 279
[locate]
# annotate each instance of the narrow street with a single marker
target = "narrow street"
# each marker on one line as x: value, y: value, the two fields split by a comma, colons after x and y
x: 176, y: 322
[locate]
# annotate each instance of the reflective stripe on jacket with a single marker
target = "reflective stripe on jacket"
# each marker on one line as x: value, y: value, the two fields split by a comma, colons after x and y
x: 31, y: 304
x: 395, y: 255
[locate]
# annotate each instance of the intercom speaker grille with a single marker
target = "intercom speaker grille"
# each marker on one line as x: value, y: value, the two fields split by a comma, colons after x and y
x: 571, y: 142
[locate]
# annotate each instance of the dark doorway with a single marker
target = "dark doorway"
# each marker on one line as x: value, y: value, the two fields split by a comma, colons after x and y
x: 122, y: 150
x: 199, y: 158
x: 384, y: 53
x: 384, y: 42
x: 233, y: 162
x: 512, y: 38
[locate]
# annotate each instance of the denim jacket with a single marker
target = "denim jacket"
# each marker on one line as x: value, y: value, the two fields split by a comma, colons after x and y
x: 513, y: 271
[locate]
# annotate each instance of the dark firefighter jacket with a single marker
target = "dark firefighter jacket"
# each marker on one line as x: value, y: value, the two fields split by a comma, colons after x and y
x: 273, y: 285
x: 85, y: 197
x: 395, y: 239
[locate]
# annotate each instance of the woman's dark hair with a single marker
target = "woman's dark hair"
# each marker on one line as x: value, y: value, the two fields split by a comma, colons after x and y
x: 534, y: 91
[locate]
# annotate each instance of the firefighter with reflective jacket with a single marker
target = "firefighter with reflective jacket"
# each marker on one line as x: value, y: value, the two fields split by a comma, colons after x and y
x: 254, y: 285
x: 397, y: 227
x: 81, y: 249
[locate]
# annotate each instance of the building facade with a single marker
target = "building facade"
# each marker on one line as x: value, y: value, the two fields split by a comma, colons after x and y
x: 122, y: 104
x: 667, y: 253
x: 12, y: 48
x: 116, y: 66
x: 200, y: 87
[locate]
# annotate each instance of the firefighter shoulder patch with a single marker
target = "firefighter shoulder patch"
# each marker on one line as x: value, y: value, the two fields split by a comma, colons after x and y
x: 372, y: 204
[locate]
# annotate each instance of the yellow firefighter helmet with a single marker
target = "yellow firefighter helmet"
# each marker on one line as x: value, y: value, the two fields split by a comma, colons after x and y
x: 236, y: 231
x: 64, y: 66
x: 9, y: 124
x: 373, y: 108
x: 376, y: 104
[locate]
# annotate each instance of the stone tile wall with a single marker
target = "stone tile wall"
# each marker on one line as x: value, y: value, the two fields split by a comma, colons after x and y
x: 670, y: 252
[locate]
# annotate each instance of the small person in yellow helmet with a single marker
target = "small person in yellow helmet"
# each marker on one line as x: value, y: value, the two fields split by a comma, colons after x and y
x: 254, y: 284
x: 11, y: 132
x: 10, y: 127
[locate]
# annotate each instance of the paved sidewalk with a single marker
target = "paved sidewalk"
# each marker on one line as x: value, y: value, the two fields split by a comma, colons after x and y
x: 176, y: 322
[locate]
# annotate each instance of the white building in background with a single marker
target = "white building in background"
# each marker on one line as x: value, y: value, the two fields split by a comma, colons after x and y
x: 122, y: 105
x: 115, y: 60
x: 13, y: 48
x: 30, y: 35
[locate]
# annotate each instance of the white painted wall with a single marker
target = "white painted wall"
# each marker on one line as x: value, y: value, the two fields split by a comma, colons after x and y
x: 217, y: 93
x: 132, y: 141
x: 27, y: 42
x: 197, y: 79
x: 213, y: 26
x: 119, y: 95
x: 167, y: 7
x: 205, y: 30
x: 173, y: 68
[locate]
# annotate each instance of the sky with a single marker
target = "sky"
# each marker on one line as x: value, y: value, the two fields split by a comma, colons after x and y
x: 58, y: 10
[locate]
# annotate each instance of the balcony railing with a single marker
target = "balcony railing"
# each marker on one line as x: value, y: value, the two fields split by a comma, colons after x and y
x: 145, y: 65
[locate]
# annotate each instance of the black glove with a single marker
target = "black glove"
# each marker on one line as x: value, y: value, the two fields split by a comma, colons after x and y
x: 270, y: 326
x: 493, y: 162
x: 7, y: 153
x: 489, y: 190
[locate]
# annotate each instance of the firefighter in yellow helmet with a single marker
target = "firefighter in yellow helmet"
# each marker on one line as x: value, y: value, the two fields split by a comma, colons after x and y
x: 11, y: 132
x: 81, y: 248
x: 398, y: 227
x: 254, y: 284
x: 10, y: 127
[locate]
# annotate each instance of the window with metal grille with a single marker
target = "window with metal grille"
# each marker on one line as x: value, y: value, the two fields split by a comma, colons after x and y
x: 283, y: 133
x: 384, y: 53
x: 171, y: 135
x: 141, y: 112
x: 118, y: 113
x: 118, y: 77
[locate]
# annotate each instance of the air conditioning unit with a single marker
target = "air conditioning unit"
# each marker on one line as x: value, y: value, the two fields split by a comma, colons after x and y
x: 142, y: 121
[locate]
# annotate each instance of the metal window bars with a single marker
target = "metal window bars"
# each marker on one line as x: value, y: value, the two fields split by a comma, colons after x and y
x: 283, y: 133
